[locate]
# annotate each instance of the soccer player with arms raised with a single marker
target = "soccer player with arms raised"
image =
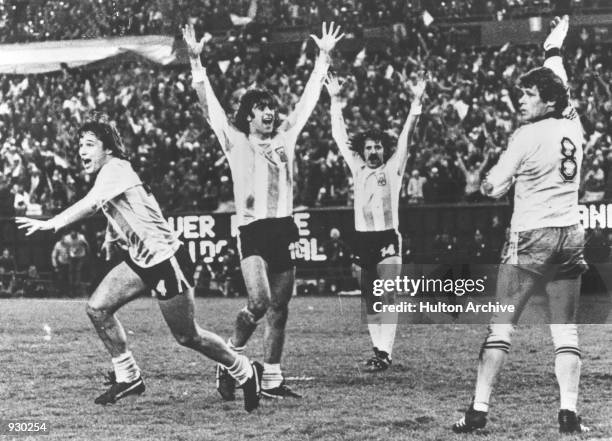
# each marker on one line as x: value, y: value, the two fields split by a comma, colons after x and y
x: 155, y: 260
x: 260, y: 154
x: 546, y: 241
x: 377, y: 166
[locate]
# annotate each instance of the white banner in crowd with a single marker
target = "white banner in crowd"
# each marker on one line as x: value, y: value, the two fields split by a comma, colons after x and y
x: 32, y: 58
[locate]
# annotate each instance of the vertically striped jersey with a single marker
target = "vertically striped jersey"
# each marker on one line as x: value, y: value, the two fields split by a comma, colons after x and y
x: 262, y: 171
x: 376, y: 193
x: 376, y: 190
x: 543, y: 160
x: 133, y: 214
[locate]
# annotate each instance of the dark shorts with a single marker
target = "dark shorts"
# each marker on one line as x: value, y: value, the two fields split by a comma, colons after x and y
x: 555, y: 252
x: 169, y: 278
x: 271, y: 239
x: 371, y: 247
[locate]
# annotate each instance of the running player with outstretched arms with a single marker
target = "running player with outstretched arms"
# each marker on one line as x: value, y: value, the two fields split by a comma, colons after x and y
x: 546, y: 240
x: 155, y: 260
x: 377, y: 166
x: 260, y: 154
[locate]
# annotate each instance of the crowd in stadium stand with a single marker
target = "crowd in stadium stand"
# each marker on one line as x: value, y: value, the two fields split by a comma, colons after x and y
x: 39, y: 20
x: 466, y: 124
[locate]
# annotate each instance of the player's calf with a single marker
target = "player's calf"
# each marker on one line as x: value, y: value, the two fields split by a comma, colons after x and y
x: 192, y: 341
x: 247, y: 320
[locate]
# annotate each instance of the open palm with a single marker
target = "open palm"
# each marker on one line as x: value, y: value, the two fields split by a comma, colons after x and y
x: 32, y: 225
x: 333, y: 85
x: 418, y: 89
x: 559, y: 27
x: 329, y: 37
x: 194, y: 47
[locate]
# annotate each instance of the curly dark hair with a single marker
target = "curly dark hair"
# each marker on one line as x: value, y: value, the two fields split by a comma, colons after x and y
x: 550, y: 86
x: 387, y: 141
x: 105, y: 130
x: 252, y: 98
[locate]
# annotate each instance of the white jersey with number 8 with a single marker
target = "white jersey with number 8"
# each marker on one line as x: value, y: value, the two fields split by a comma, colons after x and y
x: 543, y: 160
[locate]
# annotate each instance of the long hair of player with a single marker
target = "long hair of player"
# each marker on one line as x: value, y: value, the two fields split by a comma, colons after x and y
x: 248, y: 101
x: 388, y: 142
x: 105, y: 130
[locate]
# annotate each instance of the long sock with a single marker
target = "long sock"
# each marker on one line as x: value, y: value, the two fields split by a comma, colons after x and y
x: 241, y: 370
x: 387, y: 337
x: 126, y: 369
x: 489, y: 366
x: 567, y: 370
x: 272, y: 376
x: 375, y: 329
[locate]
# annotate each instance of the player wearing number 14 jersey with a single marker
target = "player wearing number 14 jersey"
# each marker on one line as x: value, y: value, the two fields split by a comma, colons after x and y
x: 377, y: 171
x: 546, y: 240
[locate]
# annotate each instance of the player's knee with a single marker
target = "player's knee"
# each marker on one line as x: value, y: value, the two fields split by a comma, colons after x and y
x: 499, y: 337
x: 249, y: 317
x: 259, y: 307
x: 188, y: 340
x: 96, y: 314
x: 565, y: 339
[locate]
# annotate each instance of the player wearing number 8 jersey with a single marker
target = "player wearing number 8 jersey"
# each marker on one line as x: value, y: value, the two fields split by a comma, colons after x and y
x: 377, y: 170
x: 542, y: 161
x: 546, y: 241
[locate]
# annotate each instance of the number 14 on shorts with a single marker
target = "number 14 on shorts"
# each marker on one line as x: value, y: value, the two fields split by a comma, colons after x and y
x: 388, y: 251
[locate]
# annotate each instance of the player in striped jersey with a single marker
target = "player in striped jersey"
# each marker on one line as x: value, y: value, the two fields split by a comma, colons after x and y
x: 155, y: 260
x: 546, y: 241
x: 377, y: 170
x: 260, y: 153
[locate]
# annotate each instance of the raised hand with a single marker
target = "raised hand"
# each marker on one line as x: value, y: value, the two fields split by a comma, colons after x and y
x: 559, y: 27
x: 333, y: 85
x: 194, y: 47
x: 32, y: 225
x: 329, y: 37
x: 418, y: 89
x: 486, y: 188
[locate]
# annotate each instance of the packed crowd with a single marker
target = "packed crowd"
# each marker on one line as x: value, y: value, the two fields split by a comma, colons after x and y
x: 38, y: 20
x: 466, y: 124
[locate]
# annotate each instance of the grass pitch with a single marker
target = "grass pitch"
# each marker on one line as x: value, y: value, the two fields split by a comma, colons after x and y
x: 52, y: 364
